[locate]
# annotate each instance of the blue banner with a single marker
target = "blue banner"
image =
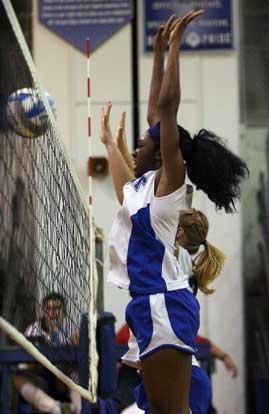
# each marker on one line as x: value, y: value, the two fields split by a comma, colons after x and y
x: 211, y: 31
x: 75, y: 20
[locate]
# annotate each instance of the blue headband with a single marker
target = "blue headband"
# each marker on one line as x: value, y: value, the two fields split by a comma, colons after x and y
x: 155, y: 133
x: 186, y: 142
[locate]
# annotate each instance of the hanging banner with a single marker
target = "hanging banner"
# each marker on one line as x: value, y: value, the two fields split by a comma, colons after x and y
x: 75, y: 20
x: 211, y: 31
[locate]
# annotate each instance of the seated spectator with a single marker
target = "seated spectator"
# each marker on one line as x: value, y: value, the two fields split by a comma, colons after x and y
x: 36, y: 384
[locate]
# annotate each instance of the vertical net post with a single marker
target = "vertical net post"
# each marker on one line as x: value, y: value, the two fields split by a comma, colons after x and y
x: 92, y: 384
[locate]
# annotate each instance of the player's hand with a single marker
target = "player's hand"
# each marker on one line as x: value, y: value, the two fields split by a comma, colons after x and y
x: 161, y: 38
x: 230, y: 365
x: 120, y: 135
x: 105, y: 133
x: 180, y: 25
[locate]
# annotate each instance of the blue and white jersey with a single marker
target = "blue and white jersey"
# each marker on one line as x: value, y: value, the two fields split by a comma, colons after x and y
x: 186, y: 264
x: 185, y: 261
x: 142, y: 239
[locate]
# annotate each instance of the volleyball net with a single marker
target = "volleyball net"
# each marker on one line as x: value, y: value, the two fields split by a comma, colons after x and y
x: 47, y: 270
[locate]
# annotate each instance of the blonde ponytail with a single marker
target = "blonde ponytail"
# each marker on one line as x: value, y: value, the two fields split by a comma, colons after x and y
x: 208, y: 263
x: 207, y: 267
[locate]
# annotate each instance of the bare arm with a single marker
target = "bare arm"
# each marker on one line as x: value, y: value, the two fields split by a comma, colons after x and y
x: 159, y: 46
x: 121, y: 173
x: 225, y: 358
x: 173, y: 170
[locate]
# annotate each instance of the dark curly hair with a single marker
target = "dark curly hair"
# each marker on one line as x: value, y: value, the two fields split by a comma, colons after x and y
x: 55, y: 296
x: 211, y: 166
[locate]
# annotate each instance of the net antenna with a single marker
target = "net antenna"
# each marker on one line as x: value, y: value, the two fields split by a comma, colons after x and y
x: 93, y: 280
x: 52, y: 235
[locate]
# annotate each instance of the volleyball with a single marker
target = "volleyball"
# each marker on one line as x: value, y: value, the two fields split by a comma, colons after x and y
x: 26, y: 113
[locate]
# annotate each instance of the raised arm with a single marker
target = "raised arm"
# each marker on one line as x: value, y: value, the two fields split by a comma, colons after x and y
x: 173, y: 170
x: 120, y: 171
x: 159, y: 46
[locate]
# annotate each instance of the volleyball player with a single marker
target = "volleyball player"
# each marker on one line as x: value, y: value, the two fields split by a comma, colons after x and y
x: 163, y: 314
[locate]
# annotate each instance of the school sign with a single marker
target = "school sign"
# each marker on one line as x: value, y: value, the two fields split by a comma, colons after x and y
x: 77, y: 20
x: 212, y: 31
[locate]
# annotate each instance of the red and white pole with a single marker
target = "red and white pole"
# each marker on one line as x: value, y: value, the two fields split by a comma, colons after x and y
x: 92, y: 380
x: 89, y: 121
x: 90, y: 160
